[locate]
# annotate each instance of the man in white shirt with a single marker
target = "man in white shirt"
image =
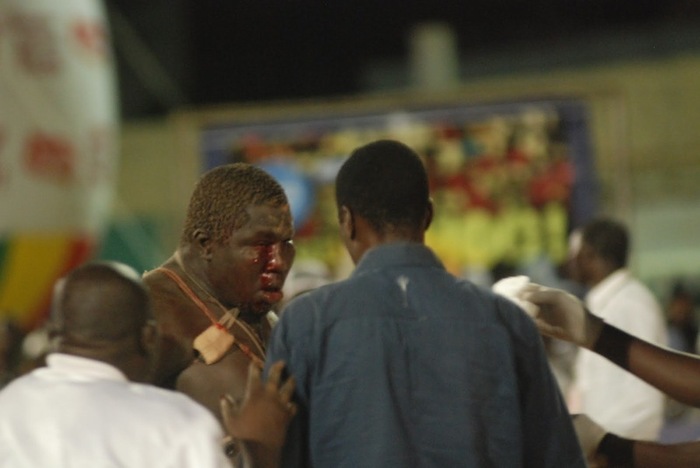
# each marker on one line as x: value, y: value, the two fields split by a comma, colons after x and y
x: 86, y: 408
x: 613, y: 398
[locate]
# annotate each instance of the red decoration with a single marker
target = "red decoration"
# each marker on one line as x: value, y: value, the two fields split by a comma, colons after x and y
x: 90, y: 36
x: 50, y: 156
x: 35, y: 43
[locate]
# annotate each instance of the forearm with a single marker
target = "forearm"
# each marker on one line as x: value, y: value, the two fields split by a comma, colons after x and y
x: 653, y: 455
x: 258, y: 455
x: 674, y: 373
x: 619, y: 452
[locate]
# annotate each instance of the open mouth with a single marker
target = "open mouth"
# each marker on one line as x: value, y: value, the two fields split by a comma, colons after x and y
x: 272, y: 295
x: 271, y: 287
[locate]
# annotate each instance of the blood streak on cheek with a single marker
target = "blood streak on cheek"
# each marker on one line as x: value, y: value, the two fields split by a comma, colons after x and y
x: 264, y: 257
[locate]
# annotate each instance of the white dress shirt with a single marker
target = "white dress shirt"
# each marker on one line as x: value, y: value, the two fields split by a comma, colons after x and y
x: 79, y: 412
x: 614, y: 398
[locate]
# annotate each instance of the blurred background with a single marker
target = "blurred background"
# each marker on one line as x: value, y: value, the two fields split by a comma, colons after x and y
x: 184, y: 52
x: 532, y: 117
x: 622, y: 75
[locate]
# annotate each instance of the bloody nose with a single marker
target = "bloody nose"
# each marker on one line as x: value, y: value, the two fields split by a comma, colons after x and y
x: 274, y: 257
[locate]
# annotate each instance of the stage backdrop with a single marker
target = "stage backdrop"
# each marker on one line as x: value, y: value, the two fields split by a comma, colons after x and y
x: 509, y: 179
x: 58, y: 120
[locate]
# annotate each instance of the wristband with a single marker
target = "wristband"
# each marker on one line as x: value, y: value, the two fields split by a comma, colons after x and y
x: 614, y: 344
x: 231, y: 446
x: 618, y: 451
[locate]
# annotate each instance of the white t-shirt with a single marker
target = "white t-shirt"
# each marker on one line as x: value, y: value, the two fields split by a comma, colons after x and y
x: 79, y: 412
x: 614, y: 398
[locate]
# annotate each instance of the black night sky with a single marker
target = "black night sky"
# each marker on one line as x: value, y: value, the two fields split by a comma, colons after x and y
x: 217, y: 51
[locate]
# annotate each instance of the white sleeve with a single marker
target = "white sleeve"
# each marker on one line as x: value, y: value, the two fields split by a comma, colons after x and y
x: 638, y: 313
x: 199, y: 444
x: 613, y: 397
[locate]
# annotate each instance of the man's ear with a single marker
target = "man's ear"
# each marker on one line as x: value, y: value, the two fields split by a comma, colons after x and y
x: 148, y: 340
x: 347, y: 222
x: 54, y: 333
x: 203, y: 241
x: 429, y: 213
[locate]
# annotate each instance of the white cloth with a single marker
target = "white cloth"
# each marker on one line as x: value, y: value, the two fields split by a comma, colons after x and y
x: 612, y: 397
x: 79, y: 412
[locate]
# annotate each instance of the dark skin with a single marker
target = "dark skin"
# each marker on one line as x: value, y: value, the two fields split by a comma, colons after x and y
x: 267, y: 411
x: 246, y: 271
x: 675, y: 373
x: 678, y: 375
x: 359, y: 235
x: 588, y: 267
x: 75, y: 324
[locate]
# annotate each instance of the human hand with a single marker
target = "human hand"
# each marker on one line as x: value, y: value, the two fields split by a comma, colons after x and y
x: 512, y: 288
x: 589, y: 434
x: 266, y: 410
x: 562, y: 315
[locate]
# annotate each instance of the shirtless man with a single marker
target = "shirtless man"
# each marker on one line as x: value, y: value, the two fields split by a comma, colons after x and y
x: 233, y: 257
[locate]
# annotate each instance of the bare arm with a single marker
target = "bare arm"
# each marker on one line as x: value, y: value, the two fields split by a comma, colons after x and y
x: 563, y: 316
x: 603, y: 449
x: 653, y: 455
x: 675, y: 373
x: 619, y: 452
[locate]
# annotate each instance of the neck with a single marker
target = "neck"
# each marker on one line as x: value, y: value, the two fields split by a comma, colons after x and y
x: 366, y: 237
x: 135, y: 366
x: 193, y: 273
x: 250, y: 317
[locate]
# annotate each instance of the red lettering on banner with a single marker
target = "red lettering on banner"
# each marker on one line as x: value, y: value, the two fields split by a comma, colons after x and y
x: 50, y: 156
x: 91, y: 37
x: 35, y: 43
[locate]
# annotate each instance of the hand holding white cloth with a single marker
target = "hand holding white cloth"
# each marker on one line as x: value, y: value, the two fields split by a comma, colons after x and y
x: 512, y: 288
x: 562, y: 315
x: 556, y: 313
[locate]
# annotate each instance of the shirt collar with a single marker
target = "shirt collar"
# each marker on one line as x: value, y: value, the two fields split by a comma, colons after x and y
x: 603, y: 291
x: 88, y: 368
x: 397, y: 254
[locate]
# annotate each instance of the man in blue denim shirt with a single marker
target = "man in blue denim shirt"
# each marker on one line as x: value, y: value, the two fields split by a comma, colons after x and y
x: 403, y: 364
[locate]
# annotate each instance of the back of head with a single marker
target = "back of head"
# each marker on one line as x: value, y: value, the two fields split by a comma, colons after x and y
x: 385, y: 182
x: 221, y: 196
x: 99, y: 306
x: 609, y: 239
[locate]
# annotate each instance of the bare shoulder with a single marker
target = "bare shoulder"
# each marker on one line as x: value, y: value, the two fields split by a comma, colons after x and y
x: 175, y: 313
x: 178, y: 324
x: 163, y: 290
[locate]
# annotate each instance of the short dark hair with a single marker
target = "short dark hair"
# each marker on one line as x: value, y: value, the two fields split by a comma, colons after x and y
x: 100, y: 301
x: 386, y: 183
x: 221, y: 196
x: 609, y: 238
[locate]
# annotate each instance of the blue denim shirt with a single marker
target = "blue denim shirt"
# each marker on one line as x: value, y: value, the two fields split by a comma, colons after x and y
x: 405, y: 365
